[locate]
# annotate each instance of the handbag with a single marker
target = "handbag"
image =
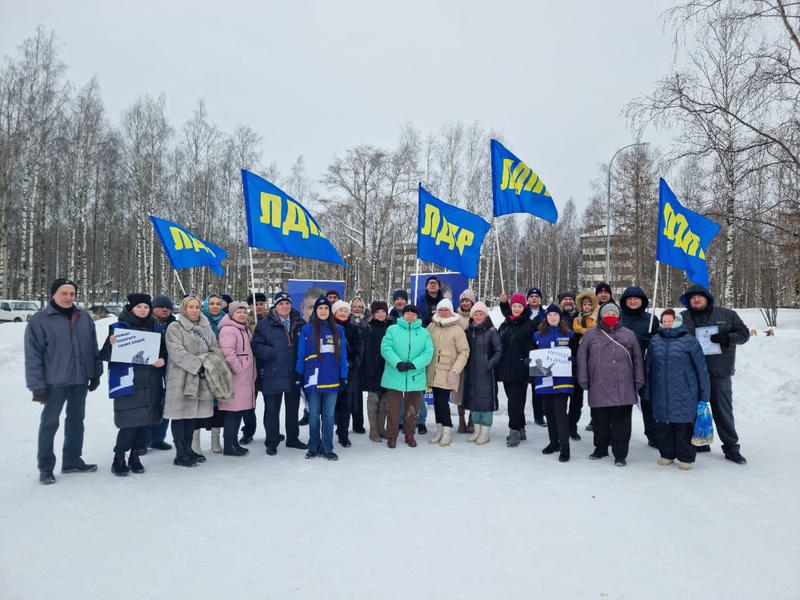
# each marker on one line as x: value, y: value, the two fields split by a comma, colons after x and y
x: 703, y: 434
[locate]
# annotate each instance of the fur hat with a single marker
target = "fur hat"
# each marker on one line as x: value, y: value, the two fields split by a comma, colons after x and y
x: 445, y: 303
x: 136, y: 299
x: 338, y: 305
x: 517, y: 299
x: 234, y: 306
x: 57, y: 283
x: 400, y: 294
x: 378, y: 305
x: 162, y: 301
x: 259, y: 297
x: 479, y: 307
x: 468, y: 294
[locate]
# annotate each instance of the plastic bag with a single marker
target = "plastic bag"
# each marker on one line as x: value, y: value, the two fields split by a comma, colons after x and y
x: 703, y: 426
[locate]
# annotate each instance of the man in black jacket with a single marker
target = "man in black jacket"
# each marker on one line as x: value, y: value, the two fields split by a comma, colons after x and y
x: 731, y: 331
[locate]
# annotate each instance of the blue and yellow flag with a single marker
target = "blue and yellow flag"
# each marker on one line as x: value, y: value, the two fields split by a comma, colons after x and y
x: 275, y: 221
x: 185, y: 250
x: 517, y: 189
x: 449, y: 236
x: 683, y: 236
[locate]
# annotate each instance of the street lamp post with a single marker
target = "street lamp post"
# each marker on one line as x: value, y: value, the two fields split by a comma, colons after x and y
x: 608, y: 210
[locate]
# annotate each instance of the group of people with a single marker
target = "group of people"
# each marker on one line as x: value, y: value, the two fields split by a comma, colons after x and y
x: 217, y: 355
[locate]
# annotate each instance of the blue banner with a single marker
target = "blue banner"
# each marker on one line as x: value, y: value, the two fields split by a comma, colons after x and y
x: 449, y: 236
x: 683, y: 236
x: 185, y: 250
x: 276, y: 221
x: 517, y: 189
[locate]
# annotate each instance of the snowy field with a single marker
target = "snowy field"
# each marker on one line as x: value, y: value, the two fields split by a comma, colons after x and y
x: 428, y: 522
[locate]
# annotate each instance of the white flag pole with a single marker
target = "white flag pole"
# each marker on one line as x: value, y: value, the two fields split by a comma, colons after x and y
x: 499, y: 262
x: 253, y: 286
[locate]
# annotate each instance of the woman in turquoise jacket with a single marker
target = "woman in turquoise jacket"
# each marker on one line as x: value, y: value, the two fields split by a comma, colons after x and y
x: 407, y: 349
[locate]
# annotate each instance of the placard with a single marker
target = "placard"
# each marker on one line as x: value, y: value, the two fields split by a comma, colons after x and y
x: 136, y: 347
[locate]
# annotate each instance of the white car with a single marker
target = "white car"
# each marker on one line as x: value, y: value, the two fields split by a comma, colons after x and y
x: 17, y: 311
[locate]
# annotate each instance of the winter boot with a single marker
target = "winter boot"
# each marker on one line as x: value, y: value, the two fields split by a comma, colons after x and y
x: 183, y: 455
x: 234, y: 450
x: 374, y: 434
x: 512, y: 441
x: 119, y: 467
x: 411, y: 441
x: 551, y: 447
x: 196, y: 443
x: 438, y: 437
x: 215, y: 447
x: 470, y: 424
x: 382, y: 421
x: 564, y: 456
x: 462, y: 424
x: 523, y: 435
x: 474, y: 437
x: 134, y: 464
x: 445, y: 441
x: 391, y: 442
x: 684, y: 466
x: 483, y: 436
x: 665, y: 461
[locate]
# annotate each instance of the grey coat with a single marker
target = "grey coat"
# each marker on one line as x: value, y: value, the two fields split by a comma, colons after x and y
x: 58, y: 352
x: 185, y: 352
x: 610, y: 366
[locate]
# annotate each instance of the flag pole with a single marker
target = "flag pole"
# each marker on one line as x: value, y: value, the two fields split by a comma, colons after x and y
x: 180, y: 283
x: 499, y: 263
x: 253, y: 285
x: 655, y: 292
x: 416, y: 283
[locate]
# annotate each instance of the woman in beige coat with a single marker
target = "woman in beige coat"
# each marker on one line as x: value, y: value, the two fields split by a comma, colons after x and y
x: 189, y: 339
x: 450, y: 354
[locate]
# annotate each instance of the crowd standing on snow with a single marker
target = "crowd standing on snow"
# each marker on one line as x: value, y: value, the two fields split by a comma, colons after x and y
x: 216, y: 356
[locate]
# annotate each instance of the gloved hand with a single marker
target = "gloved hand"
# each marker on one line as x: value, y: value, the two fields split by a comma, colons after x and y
x: 401, y: 366
x: 40, y: 397
x: 298, y: 379
x: 723, y: 339
x: 452, y: 378
x: 342, y: 384
x: 202, y: 372
x: 410, y: 366
x: 94, y: 384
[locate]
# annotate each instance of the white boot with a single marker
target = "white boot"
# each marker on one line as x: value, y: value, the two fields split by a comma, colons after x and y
x: 215, y: 447
x: 196, y: 443
x: 435, y: 439
x: 484, y: 436
x: 474, y: 437
x: 445, y: 441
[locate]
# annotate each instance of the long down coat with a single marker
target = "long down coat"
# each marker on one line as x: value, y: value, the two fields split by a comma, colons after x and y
x: 485, y: 353
x: 677, y: 376
x: 450, y: 351
x: 234, y: 342
x: 186, y: 345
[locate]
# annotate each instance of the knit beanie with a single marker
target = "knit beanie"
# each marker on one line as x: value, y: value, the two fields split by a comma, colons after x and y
x: 479, y: 307
x: 517, y: 299
x: 603, y: 286
x: 378, y: 305
x: 433, y: 278
x: 281, y: 297
x: 410, y: 308
x: 234, y: 306
x: 445, y: 303
x: 228, y: 299
x: 135, y: 299
x: 400, y: 294
x: 332, y: 293
x: 57, y: 283
x: 553, y: 308
x: 468, y: 294
x: 320, y: 301
x: 162, y: 301
x: 609, y: 307
x: 563, y: 295
x: 340, y: 304
x: 534, y: 290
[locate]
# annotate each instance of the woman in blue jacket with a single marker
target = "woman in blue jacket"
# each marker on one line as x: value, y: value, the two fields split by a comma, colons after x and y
x: 321, y: 373
x: 677, y: 379
x: 556, y: 390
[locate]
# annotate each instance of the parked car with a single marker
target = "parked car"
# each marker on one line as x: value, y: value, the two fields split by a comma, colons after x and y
x: 17, y: 311
x: 101, y: 311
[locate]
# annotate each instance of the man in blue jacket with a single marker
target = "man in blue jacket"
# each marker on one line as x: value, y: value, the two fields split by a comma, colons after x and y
x: 702, y: 312
x: 62, y: 364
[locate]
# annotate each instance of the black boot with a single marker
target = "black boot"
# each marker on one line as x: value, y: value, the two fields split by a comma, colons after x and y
x: 119, y: 467
x: 234, y: 450
x: 551, y: 448
x: 182, y: 457
x: 134, y: 464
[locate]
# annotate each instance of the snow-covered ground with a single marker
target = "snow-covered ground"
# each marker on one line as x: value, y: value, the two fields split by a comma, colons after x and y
x: 427, y: 522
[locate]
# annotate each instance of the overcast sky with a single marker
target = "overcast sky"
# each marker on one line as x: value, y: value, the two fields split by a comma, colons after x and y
x: 315, y: 78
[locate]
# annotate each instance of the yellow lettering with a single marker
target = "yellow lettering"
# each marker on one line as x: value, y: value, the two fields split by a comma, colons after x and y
x: 295, y: 220
x: 504, y: 183
x: 270, y: 209
x: 464, y: 239
x: 520, y: 174
x: 432, y: 217
x: 676, y: 228
x: 446, y: 234
x: 179, y: 238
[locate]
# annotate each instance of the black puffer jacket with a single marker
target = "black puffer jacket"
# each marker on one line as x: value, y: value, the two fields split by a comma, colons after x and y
x: 374, y: 363
x: 641, y: 322
x: 516, y: 337
x: 275, y: 350
x: 145, y: 405
x: 719, y: 365
x: 485, y: 354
